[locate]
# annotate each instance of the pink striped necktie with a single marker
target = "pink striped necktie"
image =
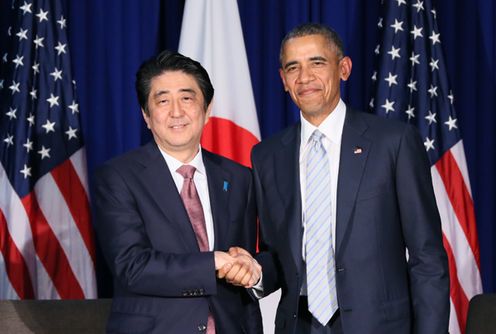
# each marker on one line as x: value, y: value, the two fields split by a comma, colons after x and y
x: 194, y: 209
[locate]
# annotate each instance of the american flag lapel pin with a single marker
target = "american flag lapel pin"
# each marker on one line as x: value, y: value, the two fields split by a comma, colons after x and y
x: 357, y: 150
x: 226, y: 186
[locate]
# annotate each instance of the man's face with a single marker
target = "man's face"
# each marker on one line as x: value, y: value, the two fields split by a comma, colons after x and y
x: 176, y: 114
x: 311, y: 73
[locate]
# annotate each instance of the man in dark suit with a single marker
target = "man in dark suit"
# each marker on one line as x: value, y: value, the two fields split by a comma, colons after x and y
x: 166, y: 211
x: 342, y: 197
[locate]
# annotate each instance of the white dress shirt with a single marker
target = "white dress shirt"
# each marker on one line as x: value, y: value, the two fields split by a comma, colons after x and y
x: 332, y: 129
x: 201, y: 184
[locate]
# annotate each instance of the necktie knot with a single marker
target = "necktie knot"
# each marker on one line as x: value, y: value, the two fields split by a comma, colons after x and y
x: 186, y: 171
x: 316, y: 137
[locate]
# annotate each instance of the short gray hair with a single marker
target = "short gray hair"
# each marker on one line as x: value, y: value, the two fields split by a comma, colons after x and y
x: 307, y: 29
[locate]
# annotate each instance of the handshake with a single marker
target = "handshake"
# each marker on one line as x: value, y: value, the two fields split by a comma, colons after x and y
x: 238, y: 267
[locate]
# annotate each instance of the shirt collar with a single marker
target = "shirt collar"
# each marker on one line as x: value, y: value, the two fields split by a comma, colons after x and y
x: 174, y: 164
x: 331, y: 127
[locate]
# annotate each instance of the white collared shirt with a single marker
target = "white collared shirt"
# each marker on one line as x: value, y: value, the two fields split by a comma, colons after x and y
x: 201, y: 184
x: 332, y: 129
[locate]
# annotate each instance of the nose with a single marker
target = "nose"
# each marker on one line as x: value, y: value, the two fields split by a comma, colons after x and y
x: 175, y: 108
x: 305, y: 75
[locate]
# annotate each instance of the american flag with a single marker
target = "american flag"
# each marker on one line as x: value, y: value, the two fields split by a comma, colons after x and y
x: 46, y: 239
x: 411, y: 85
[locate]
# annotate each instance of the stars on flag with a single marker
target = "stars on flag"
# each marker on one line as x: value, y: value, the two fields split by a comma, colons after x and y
x: 38, y: 133
x: 38, y: 42
x: 410, y: 112
x: 53, y: 100
x: 74, y: 107
x: 71, y: 133
x: 412, y: 73
x: 44, y: 152
x: 49, y: 126
x: 24, y: 90
x: 26, y: 8
x: 60, y: 48
x: 18, y: 61
x: 28, y: 145
x: 416, y: 32
x: 394, y: 52
x: 397, y: 26
x: 22, y: 34
x: 42, y: 15
x: 429, y: 144
x: 15, y: 87
x: 388, y: 106
x: 431, y: 117
x: 415, y: 58
x: 391, y: 79
x: 434, y: 38
x: 451, y: 123
x: 419, y: 5
x: 434, y: 64
x: 9, y: 139
x: 11, y: 114
x: 56, y: 74
x: 26, y: 171
x: 62, y: 22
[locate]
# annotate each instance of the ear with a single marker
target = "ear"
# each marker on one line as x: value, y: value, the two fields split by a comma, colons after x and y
x: 146, y: 118
x: 209, y: 111
x: 283, y: 78
x: 345, y: 68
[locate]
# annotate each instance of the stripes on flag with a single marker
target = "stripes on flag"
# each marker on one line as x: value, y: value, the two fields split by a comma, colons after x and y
x: 412, y: 85
x: 46, y: 240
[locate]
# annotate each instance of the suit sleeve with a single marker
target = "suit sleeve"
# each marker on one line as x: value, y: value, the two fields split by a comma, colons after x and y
x: 427, y: 264
x: 266, y: 258
x: 135, y: 264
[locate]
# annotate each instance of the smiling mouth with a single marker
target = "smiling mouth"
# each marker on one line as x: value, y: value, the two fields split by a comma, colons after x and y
x: 177, y: 126
x: 307, y: 91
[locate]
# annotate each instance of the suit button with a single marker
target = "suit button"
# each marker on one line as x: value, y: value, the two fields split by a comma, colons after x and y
x: 294, y: 315
x: 340, y: 269
x: 202, y: 328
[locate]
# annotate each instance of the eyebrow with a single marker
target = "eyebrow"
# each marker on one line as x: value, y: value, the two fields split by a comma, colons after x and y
x: 291, y: 63
x: 315, y: 58
x: 318, y: 58
x: 182, y: 90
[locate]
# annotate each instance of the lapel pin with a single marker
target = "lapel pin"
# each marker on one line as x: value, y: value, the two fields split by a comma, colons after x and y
x: 226, y: 186
x: 357, y: 150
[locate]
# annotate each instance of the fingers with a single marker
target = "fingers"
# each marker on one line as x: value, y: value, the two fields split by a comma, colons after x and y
x: 235, y: 251
x: 221, y: 259
x: 221, y: 273
x: 245, y: 271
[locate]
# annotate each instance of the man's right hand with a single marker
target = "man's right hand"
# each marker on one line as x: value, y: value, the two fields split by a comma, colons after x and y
x: 245, y: 271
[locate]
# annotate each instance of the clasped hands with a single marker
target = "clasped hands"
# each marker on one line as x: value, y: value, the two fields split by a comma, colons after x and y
x: 238, y: 267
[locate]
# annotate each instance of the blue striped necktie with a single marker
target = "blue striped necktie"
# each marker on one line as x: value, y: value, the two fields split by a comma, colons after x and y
x: 320, y: 263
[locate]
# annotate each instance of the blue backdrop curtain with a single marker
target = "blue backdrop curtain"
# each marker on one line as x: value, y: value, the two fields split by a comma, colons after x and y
x: 110, y: 38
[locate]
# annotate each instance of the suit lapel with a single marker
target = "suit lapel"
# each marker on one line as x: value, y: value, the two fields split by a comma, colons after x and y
x: 219, y: 184
x: 287, y: 165
x: 354, y: 152
x: 158, y: 179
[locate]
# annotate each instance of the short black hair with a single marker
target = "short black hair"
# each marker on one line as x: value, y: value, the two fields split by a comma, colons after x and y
x: 167, y: 61
x: 307, y: 29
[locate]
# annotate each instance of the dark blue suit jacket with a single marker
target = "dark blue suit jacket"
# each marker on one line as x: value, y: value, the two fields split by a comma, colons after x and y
x: 385, y: 205
x: 162, y: 282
